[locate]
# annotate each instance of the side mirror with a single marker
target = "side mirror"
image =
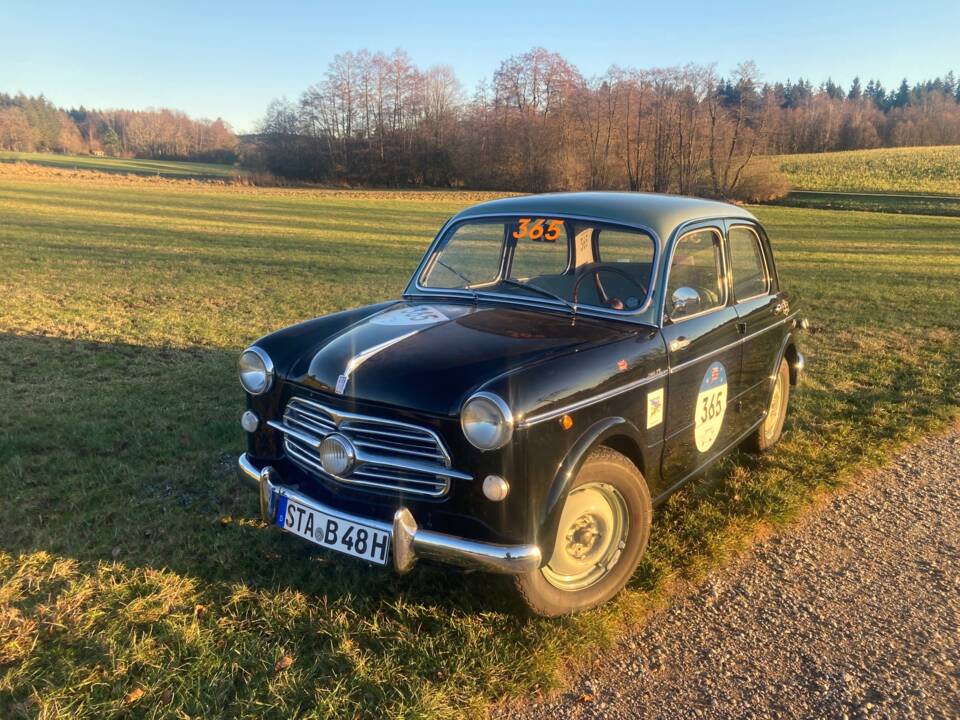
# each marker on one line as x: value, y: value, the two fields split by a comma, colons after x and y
x: 685, y: 301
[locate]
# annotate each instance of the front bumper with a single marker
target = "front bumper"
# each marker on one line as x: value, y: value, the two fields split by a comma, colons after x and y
x: 409, y: 542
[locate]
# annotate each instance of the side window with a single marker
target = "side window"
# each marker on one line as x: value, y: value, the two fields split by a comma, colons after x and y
x: 746, y: 262
x: 696, y: 282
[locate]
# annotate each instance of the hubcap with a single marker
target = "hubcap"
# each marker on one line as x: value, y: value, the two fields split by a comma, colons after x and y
x: 773, y: 414
x: 592, y: 534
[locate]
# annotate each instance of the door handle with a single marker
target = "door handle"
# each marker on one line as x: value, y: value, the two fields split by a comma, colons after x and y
x: 679, y: 343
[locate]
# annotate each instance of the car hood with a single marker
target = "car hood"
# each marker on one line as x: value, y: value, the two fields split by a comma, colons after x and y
x: 431, y: 357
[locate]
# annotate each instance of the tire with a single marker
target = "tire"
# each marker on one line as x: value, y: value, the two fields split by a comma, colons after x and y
x: 770, y: 430
x: 587, y: 565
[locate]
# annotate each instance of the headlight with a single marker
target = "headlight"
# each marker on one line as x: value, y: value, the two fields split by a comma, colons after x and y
x: 256, y: 371
x: 486, y: 421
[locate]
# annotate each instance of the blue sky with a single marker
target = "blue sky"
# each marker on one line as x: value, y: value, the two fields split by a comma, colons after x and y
x: 230, y: 59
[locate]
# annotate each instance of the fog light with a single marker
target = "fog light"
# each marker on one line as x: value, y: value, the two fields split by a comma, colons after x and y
x: 495, y: 487
x: 249, y: 421
x: 337, y: 455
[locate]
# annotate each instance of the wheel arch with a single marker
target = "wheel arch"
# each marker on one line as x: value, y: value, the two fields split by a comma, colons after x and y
x: 618, y: 434
x: 792, y: 356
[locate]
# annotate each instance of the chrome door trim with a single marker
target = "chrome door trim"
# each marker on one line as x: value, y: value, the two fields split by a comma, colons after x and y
x: 728, y: 346
x: 585, y: 402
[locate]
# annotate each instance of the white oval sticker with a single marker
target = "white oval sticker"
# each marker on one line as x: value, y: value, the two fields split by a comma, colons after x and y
x: 711, y: 406
x: 410, y: 315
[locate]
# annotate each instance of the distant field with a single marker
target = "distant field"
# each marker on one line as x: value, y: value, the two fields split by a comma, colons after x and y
x: 169, y: 168
x: 868, y: 202
x: 136, y: 579
x: 922, y: 170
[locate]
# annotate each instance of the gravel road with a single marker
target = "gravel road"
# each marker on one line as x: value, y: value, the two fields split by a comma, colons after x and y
x: 854, y: 612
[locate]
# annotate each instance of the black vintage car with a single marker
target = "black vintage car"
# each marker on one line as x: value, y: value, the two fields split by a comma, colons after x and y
x: 557, y: 366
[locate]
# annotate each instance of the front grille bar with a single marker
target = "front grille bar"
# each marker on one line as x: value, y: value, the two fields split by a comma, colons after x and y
x: 390, y: 455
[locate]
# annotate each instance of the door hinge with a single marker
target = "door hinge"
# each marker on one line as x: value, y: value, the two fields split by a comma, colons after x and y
x: 742, y: 328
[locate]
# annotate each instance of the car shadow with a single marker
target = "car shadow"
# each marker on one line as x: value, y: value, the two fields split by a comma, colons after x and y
x: 116, y: 453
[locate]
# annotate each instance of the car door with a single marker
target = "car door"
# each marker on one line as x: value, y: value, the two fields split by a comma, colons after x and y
x: 700, y: 331
x: 760, y: 310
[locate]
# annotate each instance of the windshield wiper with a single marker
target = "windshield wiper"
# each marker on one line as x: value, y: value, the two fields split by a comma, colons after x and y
x: 542, y: 291
x: 466, y: 280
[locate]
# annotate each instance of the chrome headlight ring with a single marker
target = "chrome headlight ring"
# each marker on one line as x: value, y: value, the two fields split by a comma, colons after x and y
x: 256, y: 370
x: 486, y: 421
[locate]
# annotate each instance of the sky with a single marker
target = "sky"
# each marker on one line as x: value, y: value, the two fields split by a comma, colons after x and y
x: 230, y: 60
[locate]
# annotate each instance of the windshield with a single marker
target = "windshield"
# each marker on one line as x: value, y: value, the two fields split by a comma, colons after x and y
x: 572, y: 262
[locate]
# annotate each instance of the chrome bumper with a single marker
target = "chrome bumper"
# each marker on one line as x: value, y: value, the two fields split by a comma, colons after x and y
x: 409, y: 542
x: 797, y: 366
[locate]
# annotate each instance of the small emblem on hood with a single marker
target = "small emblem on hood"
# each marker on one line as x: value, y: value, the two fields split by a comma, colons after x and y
x: 342, y: 384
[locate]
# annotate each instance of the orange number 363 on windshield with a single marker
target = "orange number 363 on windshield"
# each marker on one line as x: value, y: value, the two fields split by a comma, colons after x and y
x: 535, y: 230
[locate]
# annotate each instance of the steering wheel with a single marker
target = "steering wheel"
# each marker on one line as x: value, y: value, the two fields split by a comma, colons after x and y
x: 614, y: 303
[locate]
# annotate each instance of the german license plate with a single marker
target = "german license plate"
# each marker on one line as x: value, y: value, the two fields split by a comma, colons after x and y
x: 332, y: 532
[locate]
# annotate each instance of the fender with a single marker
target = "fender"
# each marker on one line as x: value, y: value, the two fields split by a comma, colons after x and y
x: 788, y: 340
x: 567, y: 473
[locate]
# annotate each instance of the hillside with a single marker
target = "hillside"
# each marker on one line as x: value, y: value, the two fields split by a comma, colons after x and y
x: 921, y: 170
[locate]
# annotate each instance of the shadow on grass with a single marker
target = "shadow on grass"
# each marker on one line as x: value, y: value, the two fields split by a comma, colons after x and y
x: 124, y: 453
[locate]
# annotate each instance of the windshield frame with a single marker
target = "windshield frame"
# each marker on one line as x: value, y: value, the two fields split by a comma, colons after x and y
x: 415, y: 288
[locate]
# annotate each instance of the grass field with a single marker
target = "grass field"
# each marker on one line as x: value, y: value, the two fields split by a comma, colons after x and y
x: 921, y: 170
x: 869, y: 202
x: 135, y: 580
x: 165, y: 168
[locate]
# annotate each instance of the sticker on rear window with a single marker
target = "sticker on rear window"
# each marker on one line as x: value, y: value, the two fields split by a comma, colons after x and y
x: 711, y: 406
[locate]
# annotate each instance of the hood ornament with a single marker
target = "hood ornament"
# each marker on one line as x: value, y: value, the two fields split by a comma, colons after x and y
x: 360, y: 358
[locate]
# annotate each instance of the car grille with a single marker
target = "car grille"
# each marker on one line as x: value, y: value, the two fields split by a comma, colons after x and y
x: 390, y: 456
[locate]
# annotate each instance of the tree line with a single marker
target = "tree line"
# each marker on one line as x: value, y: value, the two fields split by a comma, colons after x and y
x: 30, y: 124
x: 539, y: 124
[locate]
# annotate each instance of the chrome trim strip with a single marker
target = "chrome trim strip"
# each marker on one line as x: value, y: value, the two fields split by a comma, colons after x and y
x: 551, y: 414
x: 360, y: 358
x: 411, y: 465
x: 740, y: 341
x: 606, y: 395
x: 310, y: 440
x: 408, y: 541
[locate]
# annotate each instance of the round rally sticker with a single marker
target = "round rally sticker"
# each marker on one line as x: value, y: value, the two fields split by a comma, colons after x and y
x: 711, y: 406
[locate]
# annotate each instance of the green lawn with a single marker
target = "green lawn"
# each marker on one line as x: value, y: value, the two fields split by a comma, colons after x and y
x: 922, y: 170
x: 135, y: 579
x: 167, y: 168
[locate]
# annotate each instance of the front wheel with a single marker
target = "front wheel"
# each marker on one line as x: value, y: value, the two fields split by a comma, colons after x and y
x: 603, y: 531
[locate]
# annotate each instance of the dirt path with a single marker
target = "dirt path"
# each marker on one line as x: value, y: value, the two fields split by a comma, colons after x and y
x: 853, y: 613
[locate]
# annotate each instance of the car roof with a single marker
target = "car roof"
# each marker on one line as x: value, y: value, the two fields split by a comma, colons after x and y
x: 660, y: 213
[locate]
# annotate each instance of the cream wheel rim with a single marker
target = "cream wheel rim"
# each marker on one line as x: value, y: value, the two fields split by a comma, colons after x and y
x: 773, y: 414
x: 591, y: 535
